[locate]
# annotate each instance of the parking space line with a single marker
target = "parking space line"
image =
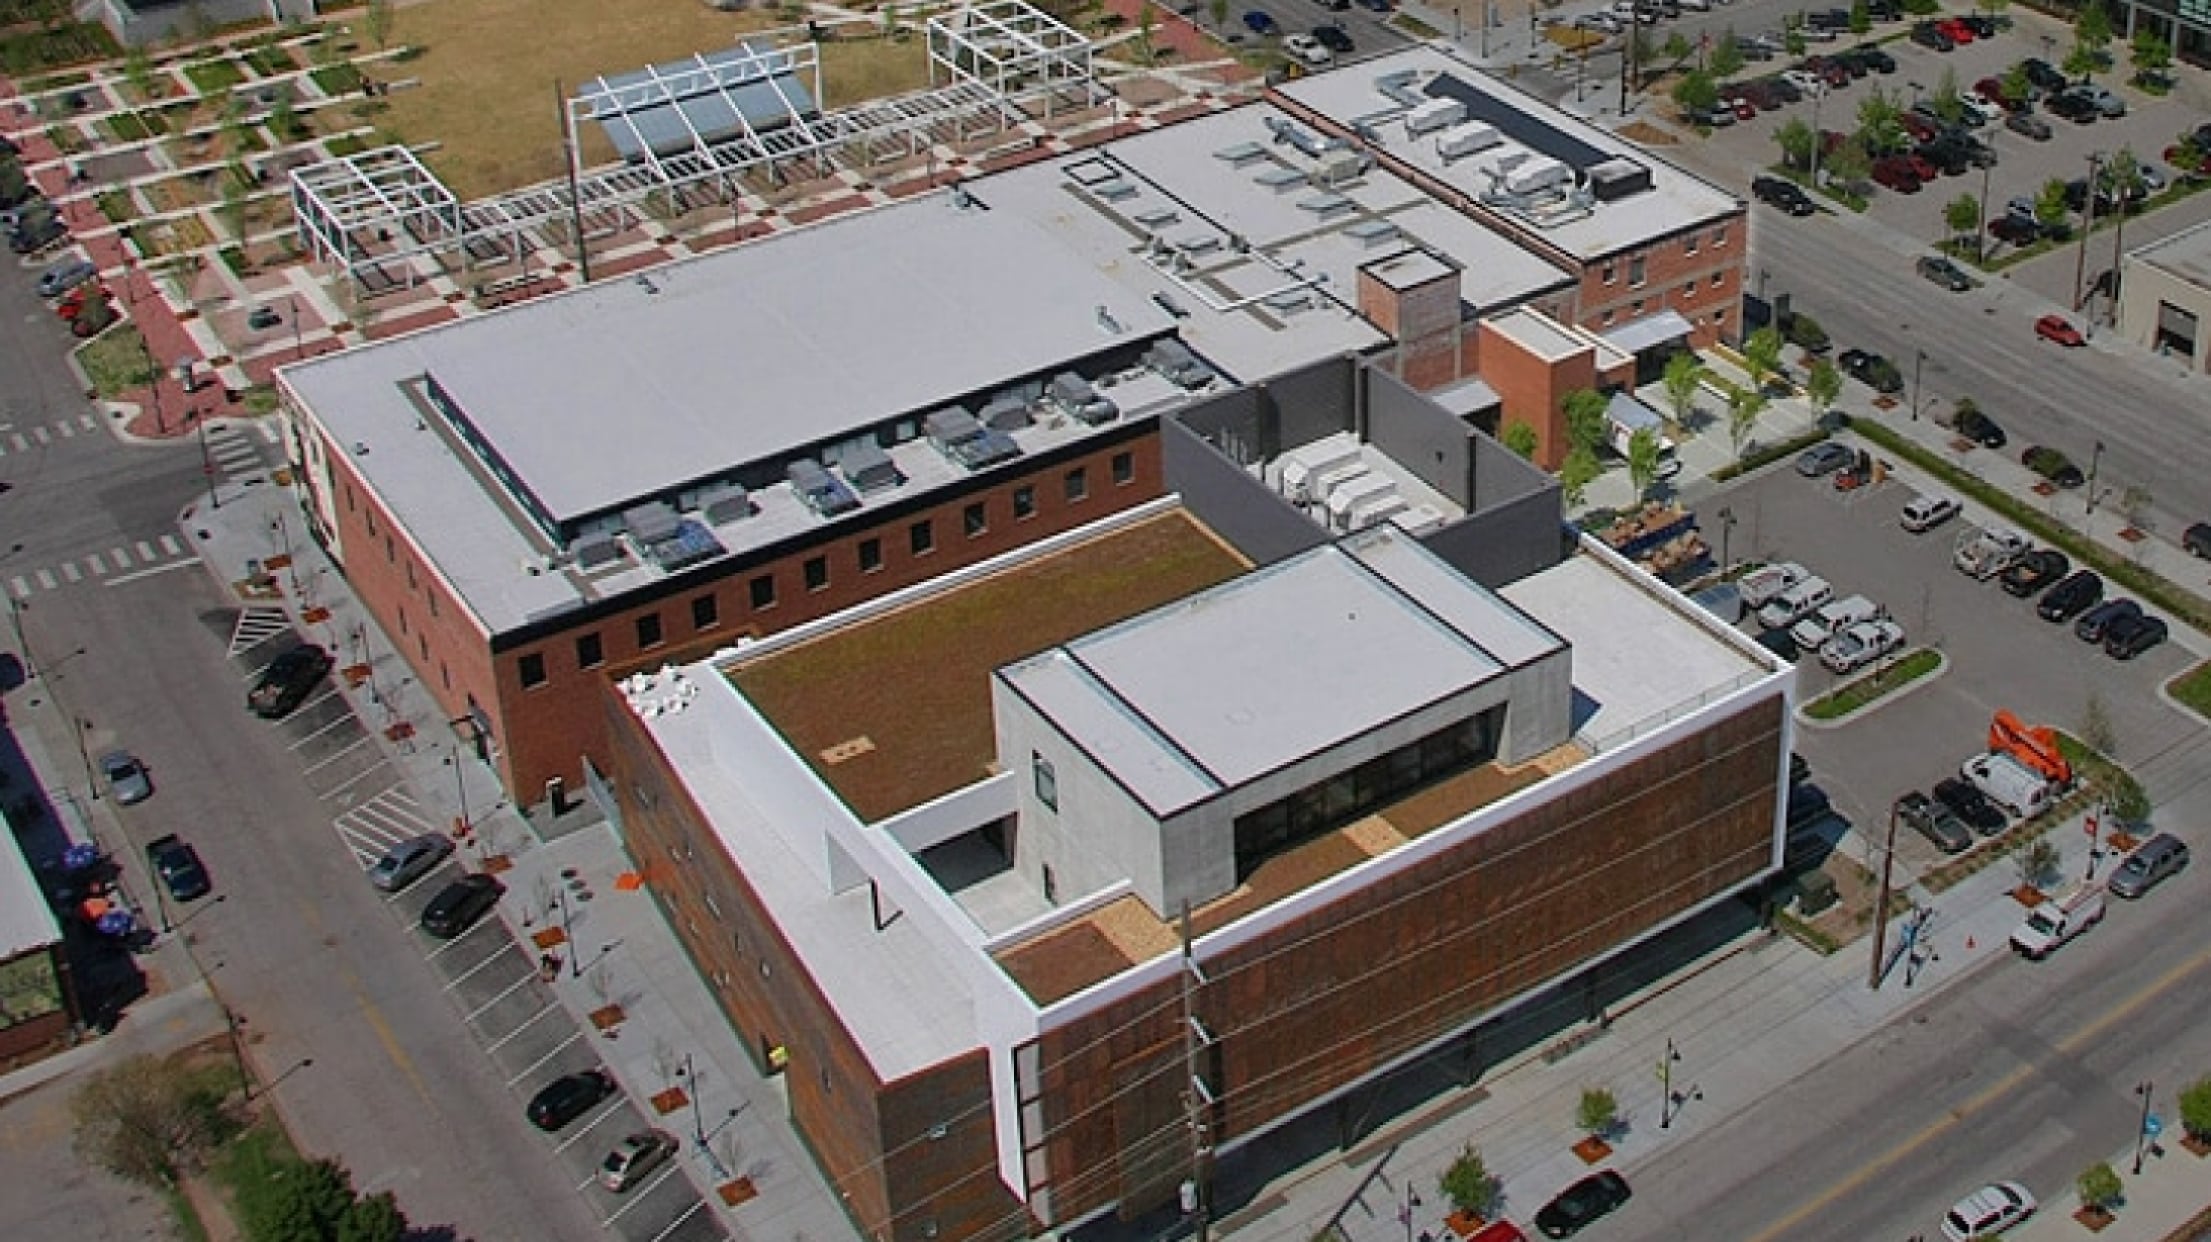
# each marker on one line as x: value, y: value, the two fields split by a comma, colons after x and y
x: 342, y: 720
x: 539, y: 1064
x: 470, y: 973
x: 327, y: 760
x: 638, y: 1194
x: 584, y: 1131
x: 525, y: 1024
x: 457, y: 941
x: 512, y: 988
x: 677, y: 1223
x: 318, y: 700
x: 381, y: 763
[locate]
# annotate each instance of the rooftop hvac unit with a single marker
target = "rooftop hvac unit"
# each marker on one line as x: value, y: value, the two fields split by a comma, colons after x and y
x: 1174, y: 360
x: 1281, y: 180
x: 959, y: 437
x: 649, y: 523
x: 1344, y: 474
x: 1346, y: 497
x: 820, y: 491
x: 1616, y: 179
x: 950, y: 425
x: 595, y: 551
x: 1464, y: 140
x: 1071, y: 390
x: 1344, y: 164
x: 1434, y: 115
x: 1302, y: 465
x: 729, y: 502
x: 1007, y: 414
x: 1098, y: 411
x: 1377, y: 510
x: 868, y: 467
x: 1537, y: 175
x: 1418, y: 520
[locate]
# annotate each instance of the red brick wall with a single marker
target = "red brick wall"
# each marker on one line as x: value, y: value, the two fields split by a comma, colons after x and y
x: 1669, y: 269
x: 1320, y: 1003
x: 1529, y: 389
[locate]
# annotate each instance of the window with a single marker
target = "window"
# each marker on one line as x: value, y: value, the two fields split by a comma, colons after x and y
x: 763, y: 591
x: 1124, y: 469
x: 706, y: 611
x: 433, y: 598
x: 1611, y: 272
x: 1719, y: 237
x: 532, y: 669
x: 445, y: 674
x: 1719, y: 316
x: 1689, y: 244
x: 1607, y: 319
x: 1636, y: 309
x: 817, y: 573
x: 1051, y: 885
x: 1047, y: 781
x: 921, y: 537
x: 590, y: 652
x: 391, y: 551
x: 871, y: 555
x: 1635, y: 271
x: 648, y: 630
x: 975, y: 518
x: 422, y: 644
x: 403, y: 627
x: 1078, y: 484
x: 1024, y: 503
x: 410, y: 575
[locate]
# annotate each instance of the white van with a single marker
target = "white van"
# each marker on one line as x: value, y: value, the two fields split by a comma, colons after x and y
x: 1812, y: 632
x: 1796, y: 603
x: 2016, y: 789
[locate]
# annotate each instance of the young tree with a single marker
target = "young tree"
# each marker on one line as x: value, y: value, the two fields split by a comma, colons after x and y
x: 1861, y: 17
x: 1847, y: 163
x: 2191, y: 156
x: 1823, y: 385
x: 1948, y: 103
x: 1641, y: 52
x: 232, y: 210
x: 1994, y: 8
x: 1963, y: 217
x: 378, y: 21
x: 2017, y: 85
x: 1597, y: 1112
x: 1727, y: 56
x: 146, y: 1121
x: 2122, y: 175
x: 1468, y: 1183
x: 1520, y: 438
x: 1744, y: 405
x: 1575, y: 474
x: 1796, y: 139
x: 1880, y: 119
x: 2097, y: 732
x: 1696, y: 92
x: 2082, y: 62
x: 1585, y: 417
x: 2195, y: 1109
x: 316, y: 1200
x: 2036, y: 861
x: 2152, y: 56
x: 2050, y: 210
x: 2092, y: 29
x: 1677, y: 48
x: 1642, y: 461
x: 1147, y: 29
x: 1219, y: 10
x: 1762, y: 355
x: 1792, y: 41
x: 1684, y: 374
x: 2099, y: 1186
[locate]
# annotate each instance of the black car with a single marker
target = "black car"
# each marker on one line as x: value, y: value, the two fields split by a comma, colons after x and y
x: 568, y: 1097
x: 1951, y: 159
x: 2042, y: 75
x: 1927, y: 34
x: 1981, y: 24
x: 1980, y: 428
x: 1933, y: 820
x: 458, y: 905
x: 2196, y: 540
x: 1876, y: 59
x: 285, y: 683
x: 1872, y: 370
x: 179, y: 866
x: 1782, y: 193
x: 1970, y: 805
x: 1779, y: 643
x: 2015, y: 230
x: 1784, y: 90
x: 2034, y: 571
x: 1334, y: 38
x: 2072, y: 597
x: 1582, y: 1203
x: 2130, y: 636
x: 2095, y: 624
x: 37, y: 235
x: 2078, y: 109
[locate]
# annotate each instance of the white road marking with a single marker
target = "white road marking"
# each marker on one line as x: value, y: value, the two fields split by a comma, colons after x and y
x: 522, y: 982
x: 527, y: 1023
x: 324, y: 762
x: 381, y: 763
x: 148, y: 573
x: 342, y: 720
x: 170, y: 545
x: 146, y: 552
x: 46, y: 579
x: 534, y: 1066
x: 70, y: 571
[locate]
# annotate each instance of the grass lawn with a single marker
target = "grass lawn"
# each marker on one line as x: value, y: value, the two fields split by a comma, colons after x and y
x: 2193, y: 688
x: 269, y: 60
x: 117, y: 362
x: 213, y: 77
x: 1880, y: 682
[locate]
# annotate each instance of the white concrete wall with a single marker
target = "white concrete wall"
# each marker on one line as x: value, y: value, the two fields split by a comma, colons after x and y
x: 1100, y: 835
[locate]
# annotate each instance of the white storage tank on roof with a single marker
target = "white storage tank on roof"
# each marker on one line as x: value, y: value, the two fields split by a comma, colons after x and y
x: 1434, y: 115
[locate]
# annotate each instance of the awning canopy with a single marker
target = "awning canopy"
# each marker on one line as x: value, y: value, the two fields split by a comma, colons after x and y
x: 1652, y: 330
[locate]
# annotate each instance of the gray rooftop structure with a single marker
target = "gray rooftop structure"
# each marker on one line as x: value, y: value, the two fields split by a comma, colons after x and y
x: 1474, y: 133
x: 679, y: 106
x: 2186, y: 254
x: 1228, y: 685
x: 26, y: 920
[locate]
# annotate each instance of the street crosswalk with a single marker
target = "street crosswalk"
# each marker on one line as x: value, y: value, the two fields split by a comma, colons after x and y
x: 235, y: 452
x: 14, y: 439
x: 382, y: 822
x: 121, y: 564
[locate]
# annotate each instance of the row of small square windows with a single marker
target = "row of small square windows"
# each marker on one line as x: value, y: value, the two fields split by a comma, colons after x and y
x: 1635, y: 309
x: 921, y: 539
x: 1635, y: 263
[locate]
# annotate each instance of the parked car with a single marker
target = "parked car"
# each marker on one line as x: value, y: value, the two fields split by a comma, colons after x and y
x: 568, y: 1097
x: 2058, y: 328
x: 1988, y: 1212
x: 1934, y: 821
x: 65, y: 275
x: 1923, y: 513
x: 178, y: 865
x: 2052, y: 465
x: 2097, y: 622
x: 1812, y: 633
x: 1876, y: 59
x: 1261, y: 23
x: 37, y: 236
x: 1872, y: 370
x: 126, y: 778
x: 1825, y: 457
x: 1860, y: 645
x: 1307, y: 49
x: 1970, y: 805
x: 1784, y: 194
x: 458, y: 905
x: 2152, y: 861
x: 1979, y: 427
x: 2196, y: 540
x: 2042, y: 75
x: 2015, y: 230
x: 1957, y: 30
x: 2034, y: 571
x: 1941, y: 271
x: 1760, y: 585
x: 288, y: 679
x: 1931, y: 35
x: 2028, y: 125
x: 1897, y: 173
x: 2103, y: 99
x: 2072, y: 597
x: 409, y: 861
x: 633, y: 1158
x: 2130, y: 636
x: 1582, y: 1203
x: 1334, y: 37
x: 2078, y: 109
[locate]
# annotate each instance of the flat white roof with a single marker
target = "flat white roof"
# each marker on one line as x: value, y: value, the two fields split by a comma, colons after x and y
x: 2186, y: 254
x: 26, y: 921
x: 1351, y: 96
x: 1255, y: 674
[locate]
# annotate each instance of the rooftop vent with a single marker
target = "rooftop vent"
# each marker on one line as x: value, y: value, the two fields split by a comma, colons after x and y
x: 1296, y: 135
x: 821, y: 491
x: 1156, y: 218
x: 1469, y: 139
x: 729, y: 502
x: 1167, y: 303
x: 1326, y: 206
x: 1434, y: 115
x: 1007, y: 413
x: 1371, y: 233
x: 959, y: 437
x: 649, y: 522
x: 687, y: 545
x: 868, y: 467
x: 1241, y: 154
x: 1281, y: 180
x: 1174, y: 360
x: 596, y: 551
x: 1115, y: 190
x: 1616, y: 179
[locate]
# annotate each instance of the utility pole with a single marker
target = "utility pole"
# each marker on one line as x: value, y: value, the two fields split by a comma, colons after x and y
x: 2142, y: 1131
x: 1980, y: 226
x: 1197, y: 1097
x: 2088, y: 225
x: 1881, y: 904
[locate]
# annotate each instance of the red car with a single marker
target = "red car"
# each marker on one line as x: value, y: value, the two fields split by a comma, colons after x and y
x: 1918, y: 127
x: 1896, y: 172
x: 75, y: 300
x: 2056, y: 328
x: 1960, y: 33
x: 2173, y: 156
x: 1745, y: 110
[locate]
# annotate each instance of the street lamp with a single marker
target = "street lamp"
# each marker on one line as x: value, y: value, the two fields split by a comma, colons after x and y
x: 1919, y: 363
x: 1405, y: 1213
x: 1666, y: 1085
x: 2095, y: 463
x: 1727, y: 529
x: 2142, y: 1131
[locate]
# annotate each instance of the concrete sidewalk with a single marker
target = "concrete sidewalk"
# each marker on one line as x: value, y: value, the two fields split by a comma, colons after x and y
x: 2162, y: 1201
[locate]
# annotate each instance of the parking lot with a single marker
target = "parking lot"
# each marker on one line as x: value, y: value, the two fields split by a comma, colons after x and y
x: 2000, y: 654
x: 492, y: 981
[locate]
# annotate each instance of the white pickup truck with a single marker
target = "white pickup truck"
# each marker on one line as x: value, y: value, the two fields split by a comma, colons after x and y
x: 2058, y: 920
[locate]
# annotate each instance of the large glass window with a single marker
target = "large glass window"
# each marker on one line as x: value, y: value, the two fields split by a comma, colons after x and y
x: 1330, y: 804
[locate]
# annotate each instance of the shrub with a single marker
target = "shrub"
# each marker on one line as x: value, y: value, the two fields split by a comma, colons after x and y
x: 2046, y: 461
x: 1805, y: 332
x: 2036, y: 861
x: 1597, y: 1112
x: 2195, y: 1108
x: 2099, y: 1186
x: 1468, y: 1183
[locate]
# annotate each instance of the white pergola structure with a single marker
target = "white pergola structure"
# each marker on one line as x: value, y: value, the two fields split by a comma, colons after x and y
x: 1016, y: 50
x: 357, y: 211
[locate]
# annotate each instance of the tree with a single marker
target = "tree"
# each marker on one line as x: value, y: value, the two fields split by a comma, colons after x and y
x: 1727, y: 56
x: 1468, y: 1183
x: 1880, y: 120
x: 1585, y: 417
x: 2152, y: 56
x: 1823, y: 385
x: 1994, y: 8
x: 1947, y: 102
x: 1861, y: 17
x: 1147, y: 28
x: 378, y: 21
x: 1792, y: 41
x: 1521, y: 439
x: 1643, y: 448
x: 2192, y: 156
x: 150, y: 1121
x: 231, y: 211
x: 138, y: 70
x: 2092, y: 29
x: 2097, y: 732
x: 1575, y: 474
x: 2017, y: 85
x: 2195, y: 1108
x: 2050, y: 210
x: 1796, y: 139
x: 1744, y: 405
x: 1696, y: 91
x: 2082, y: 62
x: 2099, y: 1186
x: 1685, y: 373
x: 1962, y: 215
x: 315, y: 1200
x: 2122, y: 176
x: 1847, y: 163
x: 1677, y: 47
x: 284, y: 118
x: 1219, y: 10
x: 1598, y: 1112
x: 1762, y: 355
x: 2037, y: 862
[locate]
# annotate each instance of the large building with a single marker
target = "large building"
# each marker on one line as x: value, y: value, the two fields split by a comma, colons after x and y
x: 650, y: 468
x: 2165, y: 297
